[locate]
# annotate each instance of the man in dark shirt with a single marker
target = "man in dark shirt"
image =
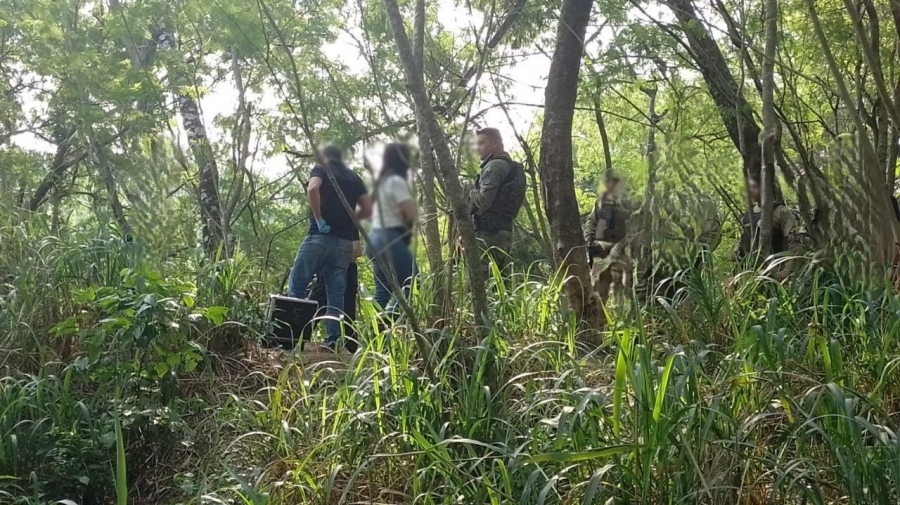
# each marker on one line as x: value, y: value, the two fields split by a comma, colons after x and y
x: 328, y: 248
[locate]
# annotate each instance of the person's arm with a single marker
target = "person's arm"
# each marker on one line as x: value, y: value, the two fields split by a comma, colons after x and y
x: 409, y: 213
x: 364, y: 207
x: 313, y: 194
x: 406, y: 204
x: 590, y: 224
x: 783, y: 220
x: 357, y: 250
x: 630, y: 205
x: 492, y: 177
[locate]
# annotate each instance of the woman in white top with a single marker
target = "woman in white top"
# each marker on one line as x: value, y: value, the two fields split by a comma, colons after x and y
x: 393, y: 220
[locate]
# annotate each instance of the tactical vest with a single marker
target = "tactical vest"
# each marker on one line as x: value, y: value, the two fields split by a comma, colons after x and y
x: 510, y: 197
x: 615, y: 218
x: 752, y: 219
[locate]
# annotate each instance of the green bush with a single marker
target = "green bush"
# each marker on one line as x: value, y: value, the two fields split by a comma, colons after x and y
x: 51, y: 443
x: 139, y: 331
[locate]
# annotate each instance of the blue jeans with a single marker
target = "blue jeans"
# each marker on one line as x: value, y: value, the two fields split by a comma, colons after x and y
x: 331, y: 256
x: 390, y: 248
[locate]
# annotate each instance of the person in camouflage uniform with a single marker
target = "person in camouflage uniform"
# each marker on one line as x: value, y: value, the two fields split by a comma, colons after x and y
x: 497, y: 196
x: 604, y: 232
x: 785, y: 232
x: 685, y: 235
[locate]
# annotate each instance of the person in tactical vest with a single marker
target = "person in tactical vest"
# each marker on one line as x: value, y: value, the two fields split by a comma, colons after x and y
x: 686, y: 231
x: 604, y: 231
x: 784, y: 227
x: 498, y: 195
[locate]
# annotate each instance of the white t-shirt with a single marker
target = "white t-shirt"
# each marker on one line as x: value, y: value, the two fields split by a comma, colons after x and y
x: 392, y: 191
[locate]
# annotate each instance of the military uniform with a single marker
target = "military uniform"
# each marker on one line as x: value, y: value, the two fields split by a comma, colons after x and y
x: 785, y: 235
x: 604, y: 231
x: 498, y: 195
x: 784, y: 230
x: 685, y: 237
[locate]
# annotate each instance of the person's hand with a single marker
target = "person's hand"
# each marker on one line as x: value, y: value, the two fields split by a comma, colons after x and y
x: 324, y: 228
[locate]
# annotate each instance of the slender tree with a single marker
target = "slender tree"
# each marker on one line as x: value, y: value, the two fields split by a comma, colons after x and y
x: 211, y: 215
x: 770, y: 125
x: 429, y: 127
x: 735, y: 111
x: 430, y: 223
x: 881, y: 232
x: 650, y: 200
x: 556, y: 166
x: 107, y: 174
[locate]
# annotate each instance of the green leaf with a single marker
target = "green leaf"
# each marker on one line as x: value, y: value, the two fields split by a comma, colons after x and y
x: 571, y: 457
x: 86, y: 295
x: 663, y: 384
x: 215, y: 315
x: 67, y: 327
x: 121, y: 467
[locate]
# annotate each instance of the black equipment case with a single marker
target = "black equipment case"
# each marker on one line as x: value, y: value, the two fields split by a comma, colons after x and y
x: 290, y: 320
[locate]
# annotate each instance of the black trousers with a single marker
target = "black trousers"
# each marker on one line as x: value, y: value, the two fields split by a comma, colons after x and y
x: 317, y: 294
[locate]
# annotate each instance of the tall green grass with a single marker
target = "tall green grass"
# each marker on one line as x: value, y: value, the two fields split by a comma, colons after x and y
x: 770, y: 401
x: 738, y: 389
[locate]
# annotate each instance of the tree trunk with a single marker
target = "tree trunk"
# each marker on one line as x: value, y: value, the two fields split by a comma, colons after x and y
x: 556, y: 167
x: 890, y: 169
x: 531, y: 169
x: 57, y: 170
x: 650, y: 197
x: 535, y: 229
x: 241, y: 139
x: 429, y: 127
x: 770, y: 125
x: 430, y: 223
x: 208, y: 172
x: 98, y: 157
x: 735, y: 111
x: 604, y: 137
x: 880, y: 231
x: 894, y: 137
x: 870, y: 51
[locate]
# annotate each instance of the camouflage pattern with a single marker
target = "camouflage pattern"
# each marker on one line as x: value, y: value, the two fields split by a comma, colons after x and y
x: 498, y: 244
x: 612, y: 273
x: 605, y: 231
x: 786, y: 237
x: 784, y: 230
x: 687, y: 232
x: 608, y: 219
x: 498, y: 194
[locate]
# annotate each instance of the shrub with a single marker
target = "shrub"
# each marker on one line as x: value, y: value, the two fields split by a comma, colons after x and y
x: 139, y: 331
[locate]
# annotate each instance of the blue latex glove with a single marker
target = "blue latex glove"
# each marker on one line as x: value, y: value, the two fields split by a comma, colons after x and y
x: 324, y: 228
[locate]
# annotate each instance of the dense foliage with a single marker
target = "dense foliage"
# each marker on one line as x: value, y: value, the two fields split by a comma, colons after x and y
x: 153, y: 156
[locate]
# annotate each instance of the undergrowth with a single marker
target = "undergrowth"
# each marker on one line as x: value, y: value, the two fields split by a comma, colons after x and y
x: 127, y: 380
